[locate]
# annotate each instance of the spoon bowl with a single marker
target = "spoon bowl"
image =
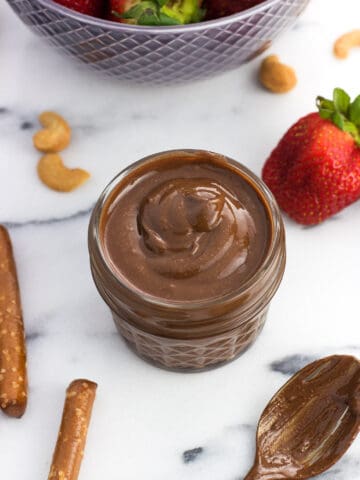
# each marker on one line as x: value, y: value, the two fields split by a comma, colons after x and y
x: 310, y: 422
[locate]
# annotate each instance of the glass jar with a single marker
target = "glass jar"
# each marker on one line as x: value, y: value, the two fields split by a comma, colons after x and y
x: 190, y: 335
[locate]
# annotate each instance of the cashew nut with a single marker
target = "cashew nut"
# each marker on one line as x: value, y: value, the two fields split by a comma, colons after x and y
x: 55, y: 136
x: 276, y: 76
x: 345, y: 43
x: 53, y: 173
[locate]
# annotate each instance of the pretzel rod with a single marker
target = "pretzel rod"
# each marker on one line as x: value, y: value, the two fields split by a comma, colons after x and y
x: 13, y: 377
x: 70, y: 445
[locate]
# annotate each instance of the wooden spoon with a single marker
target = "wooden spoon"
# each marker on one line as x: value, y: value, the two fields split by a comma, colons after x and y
x: 311, y: 422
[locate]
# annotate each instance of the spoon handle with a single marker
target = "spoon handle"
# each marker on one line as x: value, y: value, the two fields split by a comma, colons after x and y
x: 254, y: 474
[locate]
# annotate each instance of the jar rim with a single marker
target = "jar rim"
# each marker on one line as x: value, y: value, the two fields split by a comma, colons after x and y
x: 267, y: 198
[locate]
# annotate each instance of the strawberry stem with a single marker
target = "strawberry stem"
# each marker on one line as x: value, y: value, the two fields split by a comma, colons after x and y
x: 164, y: 12
x: 342, y: 112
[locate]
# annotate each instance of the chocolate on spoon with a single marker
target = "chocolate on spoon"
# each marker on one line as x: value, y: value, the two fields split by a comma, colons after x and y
x: 311, y: 422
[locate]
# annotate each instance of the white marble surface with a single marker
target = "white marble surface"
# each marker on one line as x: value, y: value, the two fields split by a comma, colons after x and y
x: 144, y: 418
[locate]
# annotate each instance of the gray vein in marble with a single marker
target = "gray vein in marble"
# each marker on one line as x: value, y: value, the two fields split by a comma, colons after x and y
x: 239, y: 432
x: 192, y: 455
x: 30, y: 336
x: 85, y: 128
x: 49, y: 221
x: 301, y: 24
x: 26, y: 125
x: 291, y: 364
x: 246, y: 428
x: 29, y: 121
x: 353, y: 347
x: 143, y: 116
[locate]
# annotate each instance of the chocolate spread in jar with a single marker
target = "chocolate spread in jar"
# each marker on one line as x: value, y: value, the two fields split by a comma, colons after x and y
x: 185, y: 227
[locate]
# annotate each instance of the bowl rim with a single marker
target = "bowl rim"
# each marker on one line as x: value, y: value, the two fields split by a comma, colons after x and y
x: 193, y: 27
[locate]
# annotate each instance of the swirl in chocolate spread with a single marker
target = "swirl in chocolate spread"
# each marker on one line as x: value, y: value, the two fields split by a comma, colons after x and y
x: 186, y: 229
x: 182, y: 220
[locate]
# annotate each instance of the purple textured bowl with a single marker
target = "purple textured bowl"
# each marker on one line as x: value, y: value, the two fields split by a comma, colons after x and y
x: 157, y: 55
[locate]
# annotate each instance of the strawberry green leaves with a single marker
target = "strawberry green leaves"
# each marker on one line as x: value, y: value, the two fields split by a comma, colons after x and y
x: 354, y: 111
x: 184, y: 11
x: 163, y: 12
x: 341, y: 100
x: 342, y: 112
x: 149, y: 13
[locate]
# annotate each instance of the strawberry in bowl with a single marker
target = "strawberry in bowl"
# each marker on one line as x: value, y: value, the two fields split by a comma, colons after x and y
x: 94, y: 8
x: 159, y: 12
x: 222, y: 8
x: 314, y: 172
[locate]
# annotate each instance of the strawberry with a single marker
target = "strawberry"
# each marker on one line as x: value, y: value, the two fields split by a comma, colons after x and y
x: 314, y: 172
x: 119, y: 7
x: 222, y: 8
x: 88, y: 7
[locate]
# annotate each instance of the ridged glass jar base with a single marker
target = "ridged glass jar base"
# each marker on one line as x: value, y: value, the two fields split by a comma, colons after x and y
x: 192, y: 354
